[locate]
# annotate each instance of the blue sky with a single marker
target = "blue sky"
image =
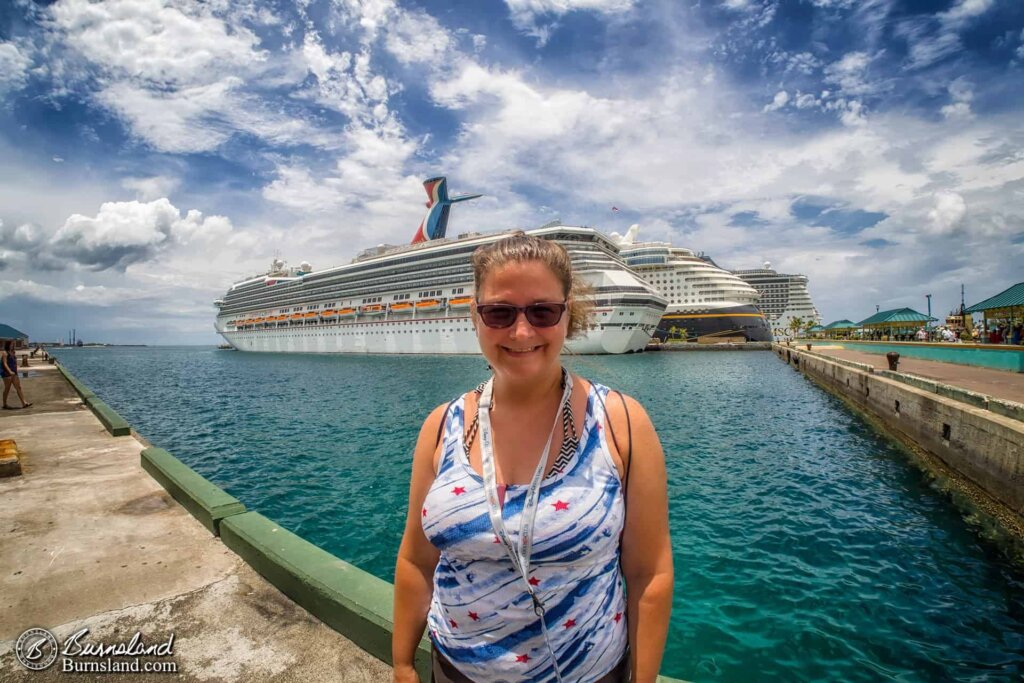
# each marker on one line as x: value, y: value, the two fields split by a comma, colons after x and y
x: 154, y: 151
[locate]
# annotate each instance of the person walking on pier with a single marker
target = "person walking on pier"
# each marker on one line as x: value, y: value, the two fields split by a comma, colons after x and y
x: 9, y: 371
x: 534, y: 550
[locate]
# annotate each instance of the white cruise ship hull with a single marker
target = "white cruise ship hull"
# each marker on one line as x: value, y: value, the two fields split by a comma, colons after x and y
x: 452, y: 335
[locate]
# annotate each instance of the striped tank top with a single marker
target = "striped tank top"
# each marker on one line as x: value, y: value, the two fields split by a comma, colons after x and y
x: 481, y: 617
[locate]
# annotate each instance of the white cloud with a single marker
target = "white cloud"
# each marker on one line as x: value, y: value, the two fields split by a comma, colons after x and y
x: 369, y: 186
x: 778, y: 102
x: 806, y: 101
x: 180, y: 75
x: 123, y: 233
x: 947, y: 214
x: 151, y: 187
x: 156, y: 42
x: 97, y: 295
x: 369, y: 15
x: 803, y: 62
x: 961, y: 92
x: 14, y: 66
x: 932, y: 39
x: 347, y: 83
x: 416, y: 37
x: 962, y: 12
x: 527, y: 15
x: 850, y: 73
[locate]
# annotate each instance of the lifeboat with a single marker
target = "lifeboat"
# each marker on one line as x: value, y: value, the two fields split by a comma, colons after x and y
x: 329, y: 315
x: 258, y: 321
x: 460, y: 302
x: 371, y: 309
x: 347, y: 313
x: 404, y: 307
x: 426, y: 305
x: 281, y: 318
x: 312, y: 315
x: 297, y: 317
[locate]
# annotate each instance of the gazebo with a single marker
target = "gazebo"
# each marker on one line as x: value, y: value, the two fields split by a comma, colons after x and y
x: 895, y: 324
x: 1007, y: 305
x: 840, y: 329
x: 816, y: 332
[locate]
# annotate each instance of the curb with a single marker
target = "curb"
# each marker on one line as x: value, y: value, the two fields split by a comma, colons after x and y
x: 112, y: 422
x: 354, y: 603
x: 205, y: 501
x: 82, y: 390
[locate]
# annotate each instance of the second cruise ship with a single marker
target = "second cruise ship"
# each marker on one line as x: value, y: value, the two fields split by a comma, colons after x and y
x: 703, y: 299
x: 416, y: 298
x: 784, y: 298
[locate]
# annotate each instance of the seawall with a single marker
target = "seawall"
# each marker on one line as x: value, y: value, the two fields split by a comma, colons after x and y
x: 975, y: 441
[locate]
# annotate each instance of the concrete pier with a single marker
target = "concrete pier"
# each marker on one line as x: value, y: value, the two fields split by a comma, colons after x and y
x: 90, y: 540
x: 971, y: 438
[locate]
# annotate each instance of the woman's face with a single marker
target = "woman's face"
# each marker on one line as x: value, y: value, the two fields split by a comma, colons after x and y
x: 521, y: 351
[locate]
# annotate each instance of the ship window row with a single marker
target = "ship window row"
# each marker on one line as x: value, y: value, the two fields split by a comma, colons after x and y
x: 366, y: 287
x: 455, y: 251
x: 274, y: 299
x: 350, y: 274
x: 434, y: 268
x: 399, y: 276
x: 300, y: 296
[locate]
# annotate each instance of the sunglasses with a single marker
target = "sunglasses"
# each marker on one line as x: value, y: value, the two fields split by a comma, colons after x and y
x: 504, y: 315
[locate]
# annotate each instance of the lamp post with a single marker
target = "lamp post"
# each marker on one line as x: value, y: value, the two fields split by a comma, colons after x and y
x: 928, y: 322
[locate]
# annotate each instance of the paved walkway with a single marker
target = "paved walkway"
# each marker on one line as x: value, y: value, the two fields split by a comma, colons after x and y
x: 998, y: 383
x: 90, y: 540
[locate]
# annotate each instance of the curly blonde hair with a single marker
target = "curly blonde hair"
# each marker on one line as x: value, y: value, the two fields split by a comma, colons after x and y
x: 519, y: 247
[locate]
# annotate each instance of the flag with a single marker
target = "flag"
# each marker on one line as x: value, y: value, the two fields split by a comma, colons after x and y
x: 615, y: 209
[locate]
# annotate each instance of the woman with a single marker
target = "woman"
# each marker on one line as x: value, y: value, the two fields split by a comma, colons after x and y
x: 9, y: 371
x: 506, y: 463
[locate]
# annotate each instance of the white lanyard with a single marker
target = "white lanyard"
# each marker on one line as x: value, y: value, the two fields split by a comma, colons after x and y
x: 520, y: 556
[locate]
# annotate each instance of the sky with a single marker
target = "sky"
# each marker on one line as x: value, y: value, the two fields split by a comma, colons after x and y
x: 153, y: 152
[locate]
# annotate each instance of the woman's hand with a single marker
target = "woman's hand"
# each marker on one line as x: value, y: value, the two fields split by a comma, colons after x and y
x: 405, y: 674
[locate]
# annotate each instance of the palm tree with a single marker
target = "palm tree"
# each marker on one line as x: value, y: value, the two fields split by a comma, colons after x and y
x: 796, y: 324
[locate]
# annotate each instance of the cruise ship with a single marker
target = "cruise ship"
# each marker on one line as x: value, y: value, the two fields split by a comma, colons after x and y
x: 783, y: 298
x: 416, y: 298
x: 703, y: 300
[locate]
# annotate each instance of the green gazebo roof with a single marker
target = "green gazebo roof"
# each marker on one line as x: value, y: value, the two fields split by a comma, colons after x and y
x: 895, y: 316
x: 1014, y: 296
x: 841, y: 325
x: 816, y: 328
x: 8, y: 332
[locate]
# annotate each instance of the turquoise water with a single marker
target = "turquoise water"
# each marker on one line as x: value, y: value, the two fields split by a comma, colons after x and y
x: 806, y: 547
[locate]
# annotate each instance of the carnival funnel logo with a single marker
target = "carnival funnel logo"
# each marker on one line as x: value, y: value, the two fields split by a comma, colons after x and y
x: 36, y: 649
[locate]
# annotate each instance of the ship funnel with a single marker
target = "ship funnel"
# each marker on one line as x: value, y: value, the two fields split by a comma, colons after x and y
x: 435, y: 223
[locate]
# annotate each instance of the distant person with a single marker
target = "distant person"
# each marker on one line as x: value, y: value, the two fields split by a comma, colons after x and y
x: 9, y: 369
x: 531, y: 556
x: 976, y: 335
x: 922, y: 335
x: 1015, y: 336
x: 996, y: 335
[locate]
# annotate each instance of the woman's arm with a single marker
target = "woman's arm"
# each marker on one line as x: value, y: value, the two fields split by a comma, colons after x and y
x: 417, y: 558
x: 646, y: 544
